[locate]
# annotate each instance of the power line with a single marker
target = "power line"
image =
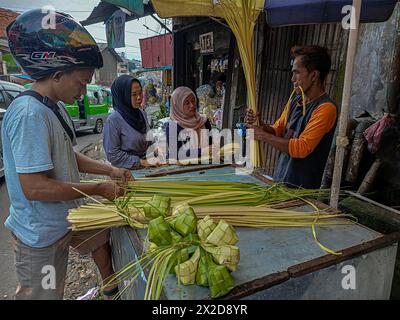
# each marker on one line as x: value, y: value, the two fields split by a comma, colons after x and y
x: 99, y: 39
x: 127, y: 31
x: 151, y: 29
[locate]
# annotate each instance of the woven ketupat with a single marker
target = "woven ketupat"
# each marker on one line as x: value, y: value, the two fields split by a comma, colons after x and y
x: 205, y: 226
x: 179, y: 209
x: 186, y: 271
x: 176, y: 237
x: 157, y: 206
x: 222, y: 234
x: 185, y: 222
x: 174, y: 246
x: 159, y: 232
x: 219, y: 280
x: 202, y: 269
x: 204, y: 261
x: 225, y: 255
x: 192, y: 238
x: 181, y: 256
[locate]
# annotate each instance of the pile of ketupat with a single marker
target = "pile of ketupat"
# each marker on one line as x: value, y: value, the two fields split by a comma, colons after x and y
x: 201, y: 252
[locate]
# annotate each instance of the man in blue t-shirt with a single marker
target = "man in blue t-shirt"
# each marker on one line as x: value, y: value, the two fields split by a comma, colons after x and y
x: 41, y: 167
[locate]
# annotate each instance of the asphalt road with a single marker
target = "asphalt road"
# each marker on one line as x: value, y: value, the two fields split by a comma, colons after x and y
x: 8, y: 280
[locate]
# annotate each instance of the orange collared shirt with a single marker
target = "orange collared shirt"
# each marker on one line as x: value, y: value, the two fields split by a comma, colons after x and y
x: 321, y: 122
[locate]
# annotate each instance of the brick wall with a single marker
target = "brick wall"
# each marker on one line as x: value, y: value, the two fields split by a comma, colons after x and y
x: 6, y: 17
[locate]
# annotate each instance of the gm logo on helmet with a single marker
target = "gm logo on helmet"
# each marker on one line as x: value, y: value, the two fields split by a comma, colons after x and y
x: 43, y: 55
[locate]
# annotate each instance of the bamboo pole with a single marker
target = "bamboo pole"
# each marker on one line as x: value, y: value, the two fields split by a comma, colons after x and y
x: 341, y: 139
x: 366, y: 185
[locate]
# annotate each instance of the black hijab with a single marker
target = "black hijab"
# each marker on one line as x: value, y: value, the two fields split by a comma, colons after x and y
x: 121, y: 95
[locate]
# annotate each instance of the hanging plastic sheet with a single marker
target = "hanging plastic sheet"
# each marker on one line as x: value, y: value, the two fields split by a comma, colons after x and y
x: 135, y: 6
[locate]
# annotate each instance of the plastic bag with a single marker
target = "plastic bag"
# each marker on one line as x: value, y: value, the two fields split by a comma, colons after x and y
x: 205, y: 91
x: 373, y: 134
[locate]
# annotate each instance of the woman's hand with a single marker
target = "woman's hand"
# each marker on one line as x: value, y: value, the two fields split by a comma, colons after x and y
x: 149, y: 164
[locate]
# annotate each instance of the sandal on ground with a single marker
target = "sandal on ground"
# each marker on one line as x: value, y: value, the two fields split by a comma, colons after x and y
x: 109, y: 294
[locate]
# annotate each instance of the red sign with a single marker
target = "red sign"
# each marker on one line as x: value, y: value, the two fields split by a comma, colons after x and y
x: 156, y: 51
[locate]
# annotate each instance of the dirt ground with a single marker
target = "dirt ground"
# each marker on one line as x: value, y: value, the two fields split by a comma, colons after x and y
x: 82, y: 273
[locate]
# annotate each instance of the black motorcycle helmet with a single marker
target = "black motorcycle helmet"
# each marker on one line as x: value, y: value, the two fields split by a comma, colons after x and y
x: 42, y: 50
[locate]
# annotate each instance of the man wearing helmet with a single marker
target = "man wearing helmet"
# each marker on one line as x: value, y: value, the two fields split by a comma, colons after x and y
x: 41, y: 167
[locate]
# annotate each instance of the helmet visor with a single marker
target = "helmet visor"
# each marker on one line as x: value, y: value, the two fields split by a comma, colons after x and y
x: 66, y: 33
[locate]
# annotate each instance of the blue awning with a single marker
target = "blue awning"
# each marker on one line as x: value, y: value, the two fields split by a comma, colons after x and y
x: 295, y: 12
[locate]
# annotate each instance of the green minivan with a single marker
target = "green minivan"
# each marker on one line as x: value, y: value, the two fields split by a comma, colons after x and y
x: 91, y: 112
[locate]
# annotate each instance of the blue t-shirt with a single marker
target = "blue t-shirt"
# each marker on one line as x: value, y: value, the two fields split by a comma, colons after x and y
x: 35, y: 141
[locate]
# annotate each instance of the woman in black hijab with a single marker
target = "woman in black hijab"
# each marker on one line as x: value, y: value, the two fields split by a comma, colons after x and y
x: 125, y: 131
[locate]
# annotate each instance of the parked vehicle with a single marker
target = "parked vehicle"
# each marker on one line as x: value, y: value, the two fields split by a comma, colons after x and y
x: 8, y: 91
x: 91, y: 112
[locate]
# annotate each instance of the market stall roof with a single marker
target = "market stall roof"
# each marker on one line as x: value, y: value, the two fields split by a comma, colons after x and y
x: 278, y: 12
x: 105, y: 9
x: 295, y: 12
x: 285, y: 12
x: 190, y: 8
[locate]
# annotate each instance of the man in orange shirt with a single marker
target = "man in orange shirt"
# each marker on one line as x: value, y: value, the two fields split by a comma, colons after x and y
x: 304, y: 132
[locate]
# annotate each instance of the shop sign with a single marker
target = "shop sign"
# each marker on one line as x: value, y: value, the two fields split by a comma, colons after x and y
x: 206, y: 43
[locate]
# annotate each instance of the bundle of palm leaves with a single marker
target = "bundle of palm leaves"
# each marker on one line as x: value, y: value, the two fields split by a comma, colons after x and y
x: 212, y: 198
